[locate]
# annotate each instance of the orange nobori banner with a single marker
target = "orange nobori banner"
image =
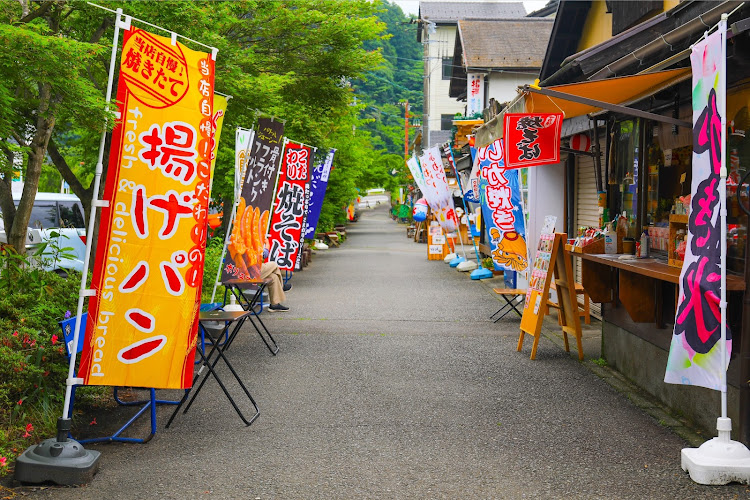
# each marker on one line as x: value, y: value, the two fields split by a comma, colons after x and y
x: 148, y: 267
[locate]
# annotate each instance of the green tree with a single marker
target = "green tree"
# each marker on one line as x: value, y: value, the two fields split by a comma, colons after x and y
x: 41, y: 69
x: 290, y: 59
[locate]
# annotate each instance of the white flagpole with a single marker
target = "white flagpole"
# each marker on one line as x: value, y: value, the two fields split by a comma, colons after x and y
x: 722, y: 108
x: 95, y: 204
x: 720, y: 460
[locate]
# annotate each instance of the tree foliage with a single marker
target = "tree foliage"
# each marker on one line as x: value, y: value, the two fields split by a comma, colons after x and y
x: 337, y: 72
x: 384, y: 90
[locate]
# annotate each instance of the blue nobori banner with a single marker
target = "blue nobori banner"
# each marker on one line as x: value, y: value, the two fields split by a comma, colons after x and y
x: 318, y: 185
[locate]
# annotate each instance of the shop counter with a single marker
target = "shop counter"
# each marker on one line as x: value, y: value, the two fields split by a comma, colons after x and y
x: 636, y: 283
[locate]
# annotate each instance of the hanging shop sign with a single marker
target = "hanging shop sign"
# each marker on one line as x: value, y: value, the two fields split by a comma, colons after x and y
x: 474, y: 93
x: 436, y: 189
x: 532, y: 139
x: 288, y: 216
x: 148, y: 270
x: 318, y: 185
x: 695, y: 354
x: 500, y: 198
x: 257, y: 160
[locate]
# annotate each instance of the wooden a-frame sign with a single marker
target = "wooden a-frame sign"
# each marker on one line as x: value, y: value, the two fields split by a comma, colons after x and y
x: 551, y: 261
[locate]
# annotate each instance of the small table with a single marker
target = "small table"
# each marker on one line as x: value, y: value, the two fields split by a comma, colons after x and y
x: 238, y: 288
x: 230, y: 318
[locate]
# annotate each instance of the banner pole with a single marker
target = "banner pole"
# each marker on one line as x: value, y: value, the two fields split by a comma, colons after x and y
x: 224, y: 250
x: 722, y: 105
x: 95, y: 204
x: 60, y: 459
x: 720, y: 460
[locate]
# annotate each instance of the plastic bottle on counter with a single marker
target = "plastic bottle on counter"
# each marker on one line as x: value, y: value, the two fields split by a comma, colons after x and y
x: 644, y: 244
x: 610, y: 240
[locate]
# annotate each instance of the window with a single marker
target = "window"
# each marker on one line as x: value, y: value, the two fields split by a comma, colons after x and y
x: 446, y: 122
x: 649, y: 192
x: 71, y: 215
x: 626, y: 163
x: 447, y: 68
x: 44, y: 215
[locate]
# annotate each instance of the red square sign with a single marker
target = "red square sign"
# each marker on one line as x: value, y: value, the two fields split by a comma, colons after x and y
x: 532, y: 139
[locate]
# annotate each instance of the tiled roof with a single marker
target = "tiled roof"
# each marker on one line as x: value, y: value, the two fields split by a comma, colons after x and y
x: 508, y: 43
x: 453, y: 11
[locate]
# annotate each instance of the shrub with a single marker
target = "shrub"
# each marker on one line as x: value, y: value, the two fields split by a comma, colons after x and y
x: 33, y: 365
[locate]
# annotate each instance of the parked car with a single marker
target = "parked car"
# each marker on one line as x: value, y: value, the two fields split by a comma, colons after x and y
x: 57, y: 222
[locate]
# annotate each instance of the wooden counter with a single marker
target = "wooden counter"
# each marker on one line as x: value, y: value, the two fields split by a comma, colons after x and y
x: 638, y: 282
x: 653, y: 267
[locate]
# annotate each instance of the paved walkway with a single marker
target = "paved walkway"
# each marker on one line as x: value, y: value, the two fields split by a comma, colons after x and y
x: 393, y: 383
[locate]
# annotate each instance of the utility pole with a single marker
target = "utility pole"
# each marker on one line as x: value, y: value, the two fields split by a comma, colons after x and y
x: 406, y: 131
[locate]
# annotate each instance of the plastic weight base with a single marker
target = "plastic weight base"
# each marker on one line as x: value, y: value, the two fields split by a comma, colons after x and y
x: 481, y: 274
x: 717, y: 462
x: 60, y: 462
x: 466, y: 266
x: 456, y: 261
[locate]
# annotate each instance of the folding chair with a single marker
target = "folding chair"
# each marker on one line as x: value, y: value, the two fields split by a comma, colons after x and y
x: 149, y: 404
x: 514, y: 283
x: 510, y: 295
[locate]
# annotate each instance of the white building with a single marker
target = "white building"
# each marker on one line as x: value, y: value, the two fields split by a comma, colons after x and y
x: 492, y: 58
x: 437, y: 33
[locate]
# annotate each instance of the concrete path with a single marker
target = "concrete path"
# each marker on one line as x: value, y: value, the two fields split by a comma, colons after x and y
x: 392, y: 382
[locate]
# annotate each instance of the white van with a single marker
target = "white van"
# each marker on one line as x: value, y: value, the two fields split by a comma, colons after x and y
x: 58, y: 220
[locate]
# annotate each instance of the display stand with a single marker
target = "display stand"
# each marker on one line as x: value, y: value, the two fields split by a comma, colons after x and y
x: 551, y: 256
x: 437, y: 246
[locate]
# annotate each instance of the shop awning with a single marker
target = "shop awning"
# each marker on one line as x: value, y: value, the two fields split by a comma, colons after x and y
x: 613, y: 94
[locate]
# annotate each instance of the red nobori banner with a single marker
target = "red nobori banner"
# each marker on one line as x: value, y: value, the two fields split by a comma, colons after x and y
x: 148, y: 268
x: 287, y: 219
x: 531, y: 139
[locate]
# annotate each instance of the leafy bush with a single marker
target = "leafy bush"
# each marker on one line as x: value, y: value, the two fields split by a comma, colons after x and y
x: 33, y: 365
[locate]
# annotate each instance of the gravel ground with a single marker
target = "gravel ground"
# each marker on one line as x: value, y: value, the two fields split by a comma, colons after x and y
x: 392, y: 382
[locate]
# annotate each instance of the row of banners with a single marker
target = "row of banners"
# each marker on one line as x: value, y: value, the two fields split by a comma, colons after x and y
x: 494, y: 183
x: 695, y: 356
x: 148, y: 270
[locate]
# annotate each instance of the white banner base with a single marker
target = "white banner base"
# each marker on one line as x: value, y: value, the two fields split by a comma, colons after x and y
x: 719, y: 460
x: 468, y: 265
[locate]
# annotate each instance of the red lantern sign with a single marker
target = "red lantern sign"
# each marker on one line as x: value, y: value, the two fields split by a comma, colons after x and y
x: 532, y: 139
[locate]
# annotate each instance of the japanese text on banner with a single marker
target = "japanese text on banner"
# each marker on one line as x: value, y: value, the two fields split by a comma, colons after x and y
x: 318, y: 185
x: 694, y: 355
x: 436, y: 189
x: 258, y: 157
x: 531, y: 139
x: 148, y: 269
x: 500, y: 198
x: 288, y: 215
